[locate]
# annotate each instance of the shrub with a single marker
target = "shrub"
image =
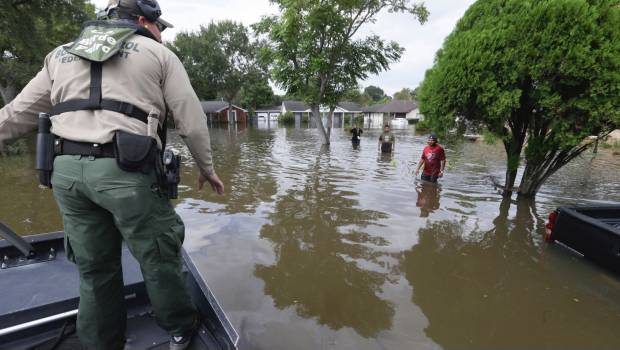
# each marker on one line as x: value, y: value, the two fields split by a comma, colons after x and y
x: 287, y: 118
x: 422, y: 125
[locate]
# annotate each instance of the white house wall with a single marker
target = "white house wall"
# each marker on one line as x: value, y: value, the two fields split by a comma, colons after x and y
x: 264, y: 115
x: 373, y: 120
x: 415, y: 115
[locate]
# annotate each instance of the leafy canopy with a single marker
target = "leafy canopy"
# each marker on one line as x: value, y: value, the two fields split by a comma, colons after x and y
x: 406, y: 94
x: 29, y: 30
x: 217, y: 58
x: 548, y: 70
x: 314, y: 50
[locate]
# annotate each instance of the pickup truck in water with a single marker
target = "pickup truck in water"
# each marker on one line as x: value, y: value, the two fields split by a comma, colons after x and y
x: 593, y: 232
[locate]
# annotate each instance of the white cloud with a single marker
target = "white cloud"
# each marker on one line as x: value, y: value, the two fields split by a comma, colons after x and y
x: 420, y: 41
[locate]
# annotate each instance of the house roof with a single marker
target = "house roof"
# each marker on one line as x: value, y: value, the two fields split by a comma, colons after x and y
x: 395, y: 106
x: 216, y: 106
x: 295, y: 106
x: 350, y: 106
x: 270, y: 109
x: 372, y: 109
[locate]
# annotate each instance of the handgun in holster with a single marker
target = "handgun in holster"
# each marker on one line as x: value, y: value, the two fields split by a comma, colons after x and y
x: 172, y: 176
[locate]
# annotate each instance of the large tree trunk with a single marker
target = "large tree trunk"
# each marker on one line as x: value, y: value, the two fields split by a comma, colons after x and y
x: 319, y: 124
x: 531, y: 181
x: 513, y: 155
x: 330, y: 122
x: 542, y: 162
x: 509, y: 183
x: 538, y: 171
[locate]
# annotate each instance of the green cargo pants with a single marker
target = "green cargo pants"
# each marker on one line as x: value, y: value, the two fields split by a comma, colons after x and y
x: 101, y: 206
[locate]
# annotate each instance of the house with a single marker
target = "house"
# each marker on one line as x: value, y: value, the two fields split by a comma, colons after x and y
x: 270, y: 113
x: 348, y: 109
x: 218, y: 112
x: 396, y: 113
x: 301, y: 111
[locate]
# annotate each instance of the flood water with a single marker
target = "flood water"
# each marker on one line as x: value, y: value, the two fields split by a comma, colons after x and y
x: 340, y: 248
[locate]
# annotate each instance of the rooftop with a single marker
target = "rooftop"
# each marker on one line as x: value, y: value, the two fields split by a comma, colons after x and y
x: 395, y: 106
x: 215, y: 106
x: 296, y: 106
x: 350, y: 106
x: 270, y: 109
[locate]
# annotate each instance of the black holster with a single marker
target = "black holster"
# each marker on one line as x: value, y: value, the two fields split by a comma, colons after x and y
x: 45, y: 150
x: 171, y: 176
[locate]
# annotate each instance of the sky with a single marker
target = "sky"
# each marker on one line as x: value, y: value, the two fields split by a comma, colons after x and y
x: 420, y: 41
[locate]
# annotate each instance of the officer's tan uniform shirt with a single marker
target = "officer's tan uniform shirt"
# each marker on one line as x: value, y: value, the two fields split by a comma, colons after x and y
x: 145, y: 73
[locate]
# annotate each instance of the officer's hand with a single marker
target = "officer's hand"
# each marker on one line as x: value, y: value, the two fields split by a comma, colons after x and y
x: 216, y: 184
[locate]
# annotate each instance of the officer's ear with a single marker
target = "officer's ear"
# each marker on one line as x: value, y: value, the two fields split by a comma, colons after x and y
x: 143, y: 22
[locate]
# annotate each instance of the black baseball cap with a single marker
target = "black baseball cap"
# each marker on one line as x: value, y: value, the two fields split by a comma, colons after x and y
x: 432, y: 137
x: 132, y: 8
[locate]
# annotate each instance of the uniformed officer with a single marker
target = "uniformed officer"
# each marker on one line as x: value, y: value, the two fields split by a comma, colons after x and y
x: 112, y: 79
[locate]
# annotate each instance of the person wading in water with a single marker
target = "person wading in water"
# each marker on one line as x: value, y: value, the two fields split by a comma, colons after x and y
x: 433, y: 160
x: 356, y: 135
x: 387, y: 142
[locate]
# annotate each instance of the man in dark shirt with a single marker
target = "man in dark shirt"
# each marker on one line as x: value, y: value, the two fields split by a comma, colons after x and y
x: 387, y: 142
x: 356, y: 135
x: 433, y: 160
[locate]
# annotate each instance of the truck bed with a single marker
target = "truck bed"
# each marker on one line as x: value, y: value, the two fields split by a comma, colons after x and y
x: 592, y: 231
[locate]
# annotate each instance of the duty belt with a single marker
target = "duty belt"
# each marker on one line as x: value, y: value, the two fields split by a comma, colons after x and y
x: 66, y: 147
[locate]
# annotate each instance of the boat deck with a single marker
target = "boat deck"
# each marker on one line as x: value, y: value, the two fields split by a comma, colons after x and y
x: 41, y: 284
x: 41, y: 300
x: 142, y: 334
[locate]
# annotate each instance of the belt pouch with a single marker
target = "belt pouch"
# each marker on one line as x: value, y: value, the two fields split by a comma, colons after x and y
x: 135, y: 152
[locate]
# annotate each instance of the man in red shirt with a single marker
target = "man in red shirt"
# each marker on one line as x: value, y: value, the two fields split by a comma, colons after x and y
x: 433, y: 160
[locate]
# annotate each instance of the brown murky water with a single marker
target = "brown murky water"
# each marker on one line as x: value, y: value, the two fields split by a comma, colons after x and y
x: 340, y: 248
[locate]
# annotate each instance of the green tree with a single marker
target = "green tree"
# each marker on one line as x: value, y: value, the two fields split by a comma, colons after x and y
x: 356, y: 95
x: 541, y: 75
x: 375, y: 93
x: 405, y: 94
x: 200, y: 59
x: 29, y: 30
x: 256, y: 91
x: 218, y: 58
x: 315, y: 49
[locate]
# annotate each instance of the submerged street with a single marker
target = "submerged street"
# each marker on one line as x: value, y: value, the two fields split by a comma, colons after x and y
x: 341, y: 248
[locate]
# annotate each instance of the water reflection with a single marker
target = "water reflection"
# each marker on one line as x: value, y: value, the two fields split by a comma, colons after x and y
x: 428, y: 197
x: 25, y: 206
x: 245, y: 167
x: 326, y: 267
x: 494, y: 289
